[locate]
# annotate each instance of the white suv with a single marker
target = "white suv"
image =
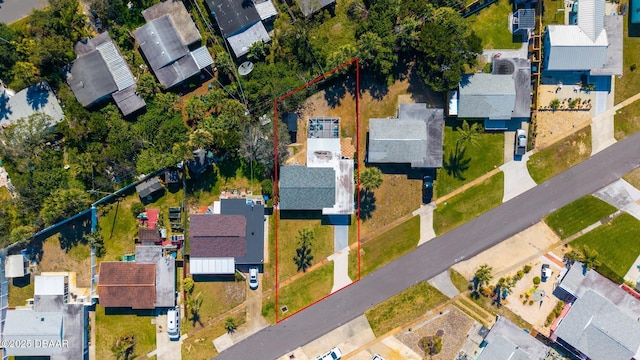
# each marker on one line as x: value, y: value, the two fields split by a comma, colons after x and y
x: 333, y: 354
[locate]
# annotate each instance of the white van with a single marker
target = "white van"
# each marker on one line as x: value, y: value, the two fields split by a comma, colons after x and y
x: 173, y: 324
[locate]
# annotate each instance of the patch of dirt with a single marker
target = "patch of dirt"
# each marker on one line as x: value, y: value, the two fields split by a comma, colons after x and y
x: 453, y: 322
x: 56, y: 259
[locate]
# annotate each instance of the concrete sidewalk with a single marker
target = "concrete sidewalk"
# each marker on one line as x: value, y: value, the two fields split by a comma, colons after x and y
x: 622, y: 195
x: 426, y: 222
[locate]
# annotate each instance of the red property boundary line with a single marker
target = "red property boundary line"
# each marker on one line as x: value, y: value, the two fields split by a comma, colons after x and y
x: 276, y: 212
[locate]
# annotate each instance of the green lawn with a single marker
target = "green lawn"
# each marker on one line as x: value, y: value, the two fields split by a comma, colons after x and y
x: 18, y: 295
x: 199, y: 346
x: 629, y: 84
x: 288, y: 243
x: 218, y: 296
x: 385, y: 248
x: 551, y: 14
x: 633, y: 178
x: 110, y: 327
x: 304, y: 291
x: 119, y: 227
x: 576, y: 216
x: 460, y: 282
x: 474, y: 162
x: 491, y: 24
x: 560, y: 156
x: 469, y: 204
x: 404, y: 307
x: 627, y: 120
x: 334, y: 32
x: 616, y: 243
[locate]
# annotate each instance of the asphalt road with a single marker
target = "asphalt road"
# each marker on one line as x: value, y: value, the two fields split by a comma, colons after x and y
x: 14, y: 10
x: 440, y: 253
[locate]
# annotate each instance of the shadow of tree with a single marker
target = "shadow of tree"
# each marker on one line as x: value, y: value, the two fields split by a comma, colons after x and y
x: 5, y: 109
x: 334, y: 93
x: 456, y: 164
x: 367, y: 204
x: 37, y: 96
x: 228, y: 168
x: 72, y: 234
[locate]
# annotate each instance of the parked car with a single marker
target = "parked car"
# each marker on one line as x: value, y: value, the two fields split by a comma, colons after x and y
x: 253, y: 278
x: 427, y: 189
x: 377, y: 357
x: 173, y: 324
x: 546, y: 272
x: 333, y: 354
x: 520, y: 142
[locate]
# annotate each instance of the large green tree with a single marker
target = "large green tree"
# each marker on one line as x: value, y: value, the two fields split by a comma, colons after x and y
x: 63, y: 203
x: 447, y: 44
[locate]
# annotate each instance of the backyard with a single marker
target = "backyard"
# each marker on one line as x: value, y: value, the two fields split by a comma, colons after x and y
x: 560, y: 156
x: 616, y: 243
x: 404, y: 307
x: 576, y: 216
x: 491, y: 24
x: 469, y: 204
x: 110, y: 327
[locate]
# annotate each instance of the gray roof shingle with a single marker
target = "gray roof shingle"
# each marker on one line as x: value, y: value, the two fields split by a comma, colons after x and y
x: 415, y: 137
x: 303, y: 188
x: 486, y: 96
x: 216, y: 235
x: 233, y: 16
x: 508, y: 341
x: 308, y: 7
x: 599, y: 329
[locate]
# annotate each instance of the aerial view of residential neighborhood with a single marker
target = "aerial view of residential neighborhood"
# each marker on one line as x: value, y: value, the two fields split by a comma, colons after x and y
x: 320, y: 179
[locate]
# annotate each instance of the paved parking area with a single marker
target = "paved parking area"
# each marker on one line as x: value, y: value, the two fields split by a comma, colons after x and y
x: 165, y: 348
x: 516, y: 177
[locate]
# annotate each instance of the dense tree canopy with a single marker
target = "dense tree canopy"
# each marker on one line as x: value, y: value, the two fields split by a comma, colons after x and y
x: 446, y: 45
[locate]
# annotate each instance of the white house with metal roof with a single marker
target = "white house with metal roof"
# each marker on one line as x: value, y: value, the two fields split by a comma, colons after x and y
x: 592, y: 45
x: 37, y: 98
x: 53, y: 326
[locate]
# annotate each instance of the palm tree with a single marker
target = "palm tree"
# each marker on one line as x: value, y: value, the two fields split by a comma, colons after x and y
x: 483, y: 275
x: 303, y: 258
x: 194, y: 305
x: 589, y: 257
x: 469, y: 133
x: 230, y: 325
x: 371, y: 178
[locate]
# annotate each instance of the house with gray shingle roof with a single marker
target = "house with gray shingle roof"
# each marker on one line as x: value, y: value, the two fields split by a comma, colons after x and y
x: 507, y: 341
x: 100, y: 73
x: 502, y: 99
x: 326, y: 182
x: 592, y: 45
x: 170, y: 43
x: 309, y: 7
x: 602, y: 322
x: 414, y: 137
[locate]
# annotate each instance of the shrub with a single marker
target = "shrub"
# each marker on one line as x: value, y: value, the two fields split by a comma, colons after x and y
x: 536, y: 280
x: 530, y: 302
x: 267, y: 187
x: 526, y: 269
x: 188, y: 285
x: 519, y: 275
x: 137, y: 208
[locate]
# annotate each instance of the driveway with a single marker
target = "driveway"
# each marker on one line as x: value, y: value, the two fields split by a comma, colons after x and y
x: 426, y: 222
x: 165, y: 348
x: 14, y: 10
x: 622, y: 195
x: 516, y: 178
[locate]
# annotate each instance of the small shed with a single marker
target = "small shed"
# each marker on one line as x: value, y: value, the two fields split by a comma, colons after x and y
x: 202, y: 159
x: 147, y: 188
x: 16, y: 266
x: 524, y: 21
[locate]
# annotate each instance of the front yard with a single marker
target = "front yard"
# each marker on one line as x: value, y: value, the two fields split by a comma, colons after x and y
x: 616, y: 243
x: 560, y: 156
x: 576, y: 216
x: 110, y: 327
x: 469, y: 161
x: 218, y: 296
x: 404, y: 307
x: 469, y: 204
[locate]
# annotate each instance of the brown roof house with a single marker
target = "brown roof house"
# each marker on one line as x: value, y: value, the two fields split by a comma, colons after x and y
x: 146, y: 284
x: 220, y: 241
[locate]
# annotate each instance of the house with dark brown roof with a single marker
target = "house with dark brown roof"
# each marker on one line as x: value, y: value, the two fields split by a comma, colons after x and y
x: 149, y: 236
x: 148, y: 283
x: 227, y: 238
x: 127, y: 285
